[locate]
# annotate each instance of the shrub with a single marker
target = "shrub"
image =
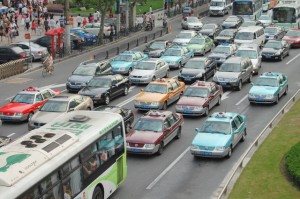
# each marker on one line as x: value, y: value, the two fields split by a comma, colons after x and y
x: 292, y: 161
x: 58, y: 8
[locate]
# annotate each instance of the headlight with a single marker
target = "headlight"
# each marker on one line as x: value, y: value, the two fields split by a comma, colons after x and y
x: 211, y: 34
x: 251, y: 95
x: 155, y: 103
x: 149, y: 146
x: 198, y: 108
x: 278, y: 53
x: 83, y: 84
x: 234, y: 80
x: 18, y: 114
x: 98, y: 96
x: 136, y: 102
x: 220, y: 148
x: 194, y: 147
x: 178, y: 107
x: 215, y: 78
x: 269, y: 96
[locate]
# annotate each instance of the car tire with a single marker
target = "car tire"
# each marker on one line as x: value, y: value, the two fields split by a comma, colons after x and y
x: 243, y: 138
x: 219, y: 101
x: 178, y: 135
x: 286, y: 90
x: 88, y: 109
x: 160, y: 149
x: 277, y: 100
x: 251, y: 103
x: 229, y: 152
x: 165, y: 106
x: 107, y: 100
x: 126, y: 91
x: 288, y: 53
x: 167, y: 74
x: 240, y: 85
x: 250, y: 78
x: 98, y: 193
x: 153, y: 78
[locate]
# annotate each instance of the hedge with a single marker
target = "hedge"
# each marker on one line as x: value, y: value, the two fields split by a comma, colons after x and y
x: 292, y: 161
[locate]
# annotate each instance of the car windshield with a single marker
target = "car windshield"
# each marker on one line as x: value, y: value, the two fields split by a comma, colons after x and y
x: 192, y: 19
x: 214, y: 3
x: 261, y: 81
x: 246, y: 53
x: 275, y: 45
x: 222, y: 50
x: 24, y: 98
x: 148, y: 125
x: 226, y: 33
x: 208, y: 26
x: 231, y: 19
x: 173, y: 52
x: 270, y: 30
x: 184, y: 35
x: 292, y: 33
x: 264, y: 17
x: 230, y: 67
x: 196, y: 92
x: 126, y: 58
x: 248, y: 23
x: 197, y: 41
x: 145, y: 66
x: 157, y: 45
x: 195, y: 64
x: 216, y: 127
x: 84, y: 71
x: 244, y: 36
x: 99, y: 82
x: 54, y: 106
x: 156, y: 88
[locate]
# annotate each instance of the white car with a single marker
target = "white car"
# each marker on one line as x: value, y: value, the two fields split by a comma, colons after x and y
x: 184, y: 37
x: 37, y: 52
x: 266, y: 20
x: 94, y: 29
x: 191, y: 23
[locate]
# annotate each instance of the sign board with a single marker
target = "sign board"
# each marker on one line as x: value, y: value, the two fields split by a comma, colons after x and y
x: 27, y: 36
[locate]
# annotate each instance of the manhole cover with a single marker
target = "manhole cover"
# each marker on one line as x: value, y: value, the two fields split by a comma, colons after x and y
x: 17, y: 80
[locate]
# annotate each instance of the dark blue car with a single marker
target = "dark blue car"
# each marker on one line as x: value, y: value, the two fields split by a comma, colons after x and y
x: 89, y: 38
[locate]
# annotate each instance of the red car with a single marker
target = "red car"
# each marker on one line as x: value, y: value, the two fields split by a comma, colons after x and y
x: 25, y: 103
x: 293, y: 37
x: 199, y: 98
x: 153, y: 131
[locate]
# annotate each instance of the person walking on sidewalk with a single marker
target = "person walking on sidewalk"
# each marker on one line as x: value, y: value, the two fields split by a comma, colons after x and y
x: 153, y: 19
x: 27, y: 22
x: 52, y: 23
x: 78, y: 20
x: 62, y: 21
x: 13, y: 30
x: 71, y: 21
x: 33, y: 26
x: 46, y: 24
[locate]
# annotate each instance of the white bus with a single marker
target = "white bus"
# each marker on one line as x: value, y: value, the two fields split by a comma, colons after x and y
x: 79, y: 155
x: 248, y: 9
x: 286, y: 14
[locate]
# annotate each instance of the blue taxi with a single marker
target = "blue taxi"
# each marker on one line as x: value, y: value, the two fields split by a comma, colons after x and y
x: 125, y: 62
x: 219, y: 134
x: 268, y: 88
x: 177, y: 56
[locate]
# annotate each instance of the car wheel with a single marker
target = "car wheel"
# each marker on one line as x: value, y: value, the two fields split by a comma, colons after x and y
x: 286, y: 90
x: 107, y: 99
x: 153, y: 78
x: 89, y: 108
x: 30, y: 116
x: 277, y: 99
x: 126, y: 91
x: 206, y: 111
x: 165, y: 106
x: 127, y: 127
x: 160, y: 149
x: 178, y: 136
x: 167, y: 74
x: 244, y: 136
x: 97, y: 194
x: 240, y: 85
x: 250, y: 78
x: 219, y: 101
x: 229, y: 152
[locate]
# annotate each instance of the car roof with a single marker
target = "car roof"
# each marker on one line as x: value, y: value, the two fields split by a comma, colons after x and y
x: 187, y: 31
x: 155, y: 114
x: 33, y: 90
x: 131, y: 52
x: 65, y: 97
x: 198, y: 59
x: 93, y: 63
x: 235, y: 59
x: 221, y: 116
x: 273, y: 75
x: 249, y: 47
x: 152, y: 60
x: 203, y: 84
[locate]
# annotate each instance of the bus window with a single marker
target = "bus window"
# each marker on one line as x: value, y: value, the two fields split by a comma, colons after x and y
x: 49, y: 182
x: 69, y: 166
x: 54, y: 193
x: 73, y: 184
x: 31, y: 194
x: 90, y: 166
x: 118, y: 138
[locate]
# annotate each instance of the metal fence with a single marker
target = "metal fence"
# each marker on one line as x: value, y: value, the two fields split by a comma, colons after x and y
x: 13, y: 68
x: 254, y: 146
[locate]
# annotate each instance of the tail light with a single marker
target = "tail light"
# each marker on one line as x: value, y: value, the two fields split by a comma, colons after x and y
x: 39, y: 52
x: 108, y: 29
x: 22, y: 55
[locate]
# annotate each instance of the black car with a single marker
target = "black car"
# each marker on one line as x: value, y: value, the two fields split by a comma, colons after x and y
x: 85, y: 72
x: 197, y: 69
x: 251, y: 23
x: 103, y: 88
x: 157, y: 48
x: 275, y: 50
x: 127, y: 114
x: 10, y: 53
x: 232, y: 22
x: 274, y: 32
x: 4, y: 140
x: 211, y: 29
x: 226, y: 36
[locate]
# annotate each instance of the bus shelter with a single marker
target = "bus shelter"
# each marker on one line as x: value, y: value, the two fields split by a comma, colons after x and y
x: 56, y: 35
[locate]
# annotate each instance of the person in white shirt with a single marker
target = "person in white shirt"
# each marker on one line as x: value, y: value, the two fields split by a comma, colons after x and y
x: 79, y: 20
x: 52, y: 23
x: 96, y: 16
x: 24, y: 10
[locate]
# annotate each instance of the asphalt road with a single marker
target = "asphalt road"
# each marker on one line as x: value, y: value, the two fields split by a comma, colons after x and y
x: 175, y: 174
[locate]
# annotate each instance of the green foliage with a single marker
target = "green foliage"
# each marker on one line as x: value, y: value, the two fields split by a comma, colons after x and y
x: 292, y: 161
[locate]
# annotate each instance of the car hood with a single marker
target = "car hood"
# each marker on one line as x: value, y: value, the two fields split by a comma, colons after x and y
x: 45, y: 117
x: 120, y: 64
x: 195, y: 46
x: 92, y: 91
x: 190, y: 71
x: 270, y: 50
x: 147, y: 50
x: 227, y: 74
x: 195, y: 24
x: 150, y: 97
x: 191, y: 101
x: 216, y: 8
x: 15, y: 107
x: 80, y: 78
x: 181, y: 40
x: 139, y: 72
x: 221, y: 55
x: 263, y: 90
x: 170, y: 58
x: 210, y: 139
x: 207, y: 31
x: 145, y: 137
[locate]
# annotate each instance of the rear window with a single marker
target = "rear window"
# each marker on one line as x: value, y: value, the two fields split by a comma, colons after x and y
x: 17, y: 49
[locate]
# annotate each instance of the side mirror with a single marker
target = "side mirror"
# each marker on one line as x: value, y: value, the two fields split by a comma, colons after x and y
x: 252, y: 83
x: 71, y: 109
x: 197, y: 130
x: 244, y: 70
x: 142, y: 90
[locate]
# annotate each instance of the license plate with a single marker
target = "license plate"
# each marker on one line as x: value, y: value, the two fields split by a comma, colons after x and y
x: 188, y: 79
x: 205, y: 153
x: 136, y: 150
x: 259, y: 99
x: 145, y: 106
x: 187, y: 111
x: 7, y: 118
x: 75, y: 86
x: 268, y: 56
x: 223, y: 83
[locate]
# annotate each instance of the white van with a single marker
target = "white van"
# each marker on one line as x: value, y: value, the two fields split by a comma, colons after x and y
x: 253, y: 34
x: 219, y: 7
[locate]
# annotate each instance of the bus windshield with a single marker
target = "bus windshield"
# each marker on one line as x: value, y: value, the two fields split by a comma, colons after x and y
x: 218, y: 4
x: 242, y: 8
x: 284, y: 15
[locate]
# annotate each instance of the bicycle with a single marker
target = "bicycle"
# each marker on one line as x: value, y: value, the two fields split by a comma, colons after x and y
x: 46, y: 70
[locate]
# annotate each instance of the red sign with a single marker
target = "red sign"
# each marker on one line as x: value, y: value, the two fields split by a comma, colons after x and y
x: 27, y: 36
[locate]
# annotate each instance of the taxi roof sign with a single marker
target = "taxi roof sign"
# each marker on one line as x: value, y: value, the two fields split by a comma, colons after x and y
x: 155, y: 113
x: 31, y: 88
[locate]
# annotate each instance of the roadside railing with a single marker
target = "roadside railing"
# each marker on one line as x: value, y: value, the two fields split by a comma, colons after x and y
x: 254, y: 146
x: 13, y: 68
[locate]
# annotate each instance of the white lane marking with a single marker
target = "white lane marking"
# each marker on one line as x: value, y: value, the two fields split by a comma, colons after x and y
x: 225, y: 95
x: 131, y: 88
x: 151, y: 185
x: 239, y: 102
x: 10, y: 134
x: 292, y: 59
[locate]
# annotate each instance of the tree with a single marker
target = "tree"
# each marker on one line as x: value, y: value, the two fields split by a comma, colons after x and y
x: 132, y: 7
x: 104, y: 6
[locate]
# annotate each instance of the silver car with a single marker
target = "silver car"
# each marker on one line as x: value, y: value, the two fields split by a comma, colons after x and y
x: 149, y: 70
x: 253, y: 52
x: 184, y: 37
x: 57, y: 106
x: 191, y: 23
x: 94, y: 29
x: 265, y: 19
x: 37, y: 52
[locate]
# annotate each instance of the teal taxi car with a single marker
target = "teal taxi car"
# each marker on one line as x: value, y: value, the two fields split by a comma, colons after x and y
x: 268, y: 88
x: 219, y: 134
x: 177, y: 56
x: 125, y: 62
x: 201, y: 45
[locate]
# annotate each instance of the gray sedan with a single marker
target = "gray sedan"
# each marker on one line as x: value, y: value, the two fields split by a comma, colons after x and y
x: 191, y: 23
x: 37, y: 52
x: 149, y: 70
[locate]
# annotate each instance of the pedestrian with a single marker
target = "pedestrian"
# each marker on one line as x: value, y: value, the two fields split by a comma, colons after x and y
x: 46, y: 25
x: 57, y: 24
x: 91, y: 18
x: 13, y: 30
x: 84, y: 22
x: 20, y: 6
x: 1, y: 29
x: 52, y: 23
x: 78, y: 20
x: 71, y: 21
x: 153, y: 19
x: 96, y: 16
x: 24, y: 10
x: 27, y: 22
x: 62, y: 21
x: 150, y: 8
x: 144, y: 19
x: 33, y: 26
x: 8, y: 35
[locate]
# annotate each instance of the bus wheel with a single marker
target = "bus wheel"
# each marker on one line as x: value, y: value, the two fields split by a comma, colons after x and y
x: 98, y: 193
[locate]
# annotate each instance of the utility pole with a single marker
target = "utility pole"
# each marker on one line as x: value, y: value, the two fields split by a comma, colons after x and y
x: 67, y: 41
x: 127, y: 14
x: 118, y: 16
